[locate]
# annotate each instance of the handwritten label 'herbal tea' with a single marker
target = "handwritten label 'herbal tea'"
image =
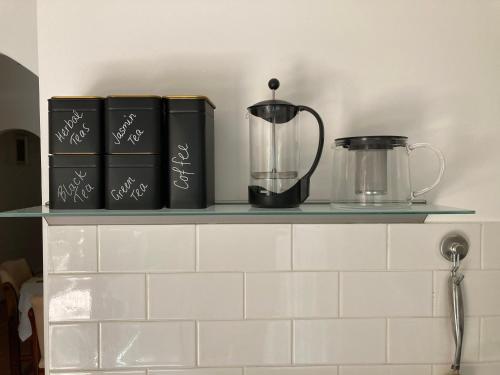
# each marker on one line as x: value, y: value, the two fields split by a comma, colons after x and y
x: 75, y: 129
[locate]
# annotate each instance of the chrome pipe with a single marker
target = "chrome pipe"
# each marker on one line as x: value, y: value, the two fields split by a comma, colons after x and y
x: 454, y: 248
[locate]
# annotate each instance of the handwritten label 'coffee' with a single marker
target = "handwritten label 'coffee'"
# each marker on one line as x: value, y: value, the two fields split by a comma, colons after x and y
x: 133, y: 137
x: 75, y: 128
x: 127, y: 189
x: 180, y: 163
x: 77, y: 189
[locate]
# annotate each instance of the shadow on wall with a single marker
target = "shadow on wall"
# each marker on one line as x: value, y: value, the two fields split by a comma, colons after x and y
x: 19, y: 100
x: 19, y: 162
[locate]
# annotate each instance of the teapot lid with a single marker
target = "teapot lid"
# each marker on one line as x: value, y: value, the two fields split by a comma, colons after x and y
x: 274, y: 110
x: 372, y: 142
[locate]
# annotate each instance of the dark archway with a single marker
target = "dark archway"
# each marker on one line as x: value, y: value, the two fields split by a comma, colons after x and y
x: 20, y: 177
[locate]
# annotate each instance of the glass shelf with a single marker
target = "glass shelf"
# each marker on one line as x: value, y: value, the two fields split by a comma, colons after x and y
x: 241, y: 213
x: 244, y: 209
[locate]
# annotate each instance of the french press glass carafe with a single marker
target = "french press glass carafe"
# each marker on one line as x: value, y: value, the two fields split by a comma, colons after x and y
x: 274, y: 153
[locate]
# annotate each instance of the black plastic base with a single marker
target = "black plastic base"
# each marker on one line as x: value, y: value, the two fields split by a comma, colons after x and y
x: 293, y: 197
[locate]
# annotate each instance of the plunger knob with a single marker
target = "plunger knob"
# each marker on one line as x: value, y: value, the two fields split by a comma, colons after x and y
x: 273, y: 83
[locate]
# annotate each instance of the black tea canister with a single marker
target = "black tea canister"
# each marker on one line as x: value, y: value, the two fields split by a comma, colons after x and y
x: 75, y: 182
x: 76, y: 124
x: 190, y: 152
x: 133, y: 182
x: 133, y: 124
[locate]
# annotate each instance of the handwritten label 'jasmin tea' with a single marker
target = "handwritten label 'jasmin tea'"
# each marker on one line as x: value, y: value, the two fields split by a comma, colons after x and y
x: 134, y: 136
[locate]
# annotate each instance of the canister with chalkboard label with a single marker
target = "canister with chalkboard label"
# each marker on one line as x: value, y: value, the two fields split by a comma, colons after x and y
x: 190, y: 151
x: 75, y: 182
x: 133, y: 182
x: 133, y: 124
x: 76, y: 125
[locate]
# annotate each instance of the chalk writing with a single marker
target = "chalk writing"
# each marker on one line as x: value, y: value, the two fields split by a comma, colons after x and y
x: 74, y: 128
x: 180, y: 162
x: 78, y: 190
x: 134, y: 137
x: 127, y: 189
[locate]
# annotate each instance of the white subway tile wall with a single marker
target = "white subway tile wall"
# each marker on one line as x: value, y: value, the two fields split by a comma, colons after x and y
x: 490, y: 339
x: 199, y: 371
x: 413, y: 246
x: 141, y: 372
x: 339, y: 247
x: 265, y: 299
x: 491, y: 246
x: 429, y: 340
x: 291, y: 295
x: 338, y: 341
x: 250, y: 342
x: 146, y: 248
x: 481, y: 290
x: 196, y: 296
x: 369, y: 294
x: 298, y: 370
x: 386, y: 370
x: 470, y: 369
x: 73, y: 346
x: 147, y: 344
x: 258, y: 247
x: 96, y: 297
x: 72, y: 249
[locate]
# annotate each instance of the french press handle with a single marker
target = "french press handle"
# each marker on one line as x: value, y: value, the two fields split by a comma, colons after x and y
x: 304, y: 181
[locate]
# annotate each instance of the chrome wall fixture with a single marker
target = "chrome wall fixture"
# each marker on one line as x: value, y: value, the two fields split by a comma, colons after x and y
x: 454, y: 248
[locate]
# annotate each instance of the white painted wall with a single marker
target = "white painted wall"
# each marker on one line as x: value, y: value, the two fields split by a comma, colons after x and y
x: 426, y: 69
x: 18, y: 32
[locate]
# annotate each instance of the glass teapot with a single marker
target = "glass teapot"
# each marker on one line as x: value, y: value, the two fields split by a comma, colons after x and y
x: 274, y: 153
x: 375, y: 171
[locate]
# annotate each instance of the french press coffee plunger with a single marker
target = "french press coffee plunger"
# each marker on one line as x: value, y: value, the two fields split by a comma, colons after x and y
x: 274, y: 153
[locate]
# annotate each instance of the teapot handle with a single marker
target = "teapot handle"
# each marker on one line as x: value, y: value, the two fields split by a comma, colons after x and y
x: 305, y: 179
x: 442, y: 166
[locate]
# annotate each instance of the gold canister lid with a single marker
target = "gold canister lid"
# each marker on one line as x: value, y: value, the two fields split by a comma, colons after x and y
x: 77, y: 97
x: 192, y: 97
x: 134, y: 96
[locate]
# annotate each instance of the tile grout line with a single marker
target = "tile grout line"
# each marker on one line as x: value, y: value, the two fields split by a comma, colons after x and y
x: 339, y: 291
x: 481, y: 322
x: 309, y: 366
x: 292, y: 342
x: 98, y: 247
x: 146, y: 277
x: 387, y: 340
x: 292, y: 244
x: 481, y: 250
x: 433, y: 294
x: 99, y: 339
x: 174, y: 271
x: 197, y: 342
x: 196, y: 248
x: 244, y: 296
x: 387, y: 246
x: 280, y: 319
